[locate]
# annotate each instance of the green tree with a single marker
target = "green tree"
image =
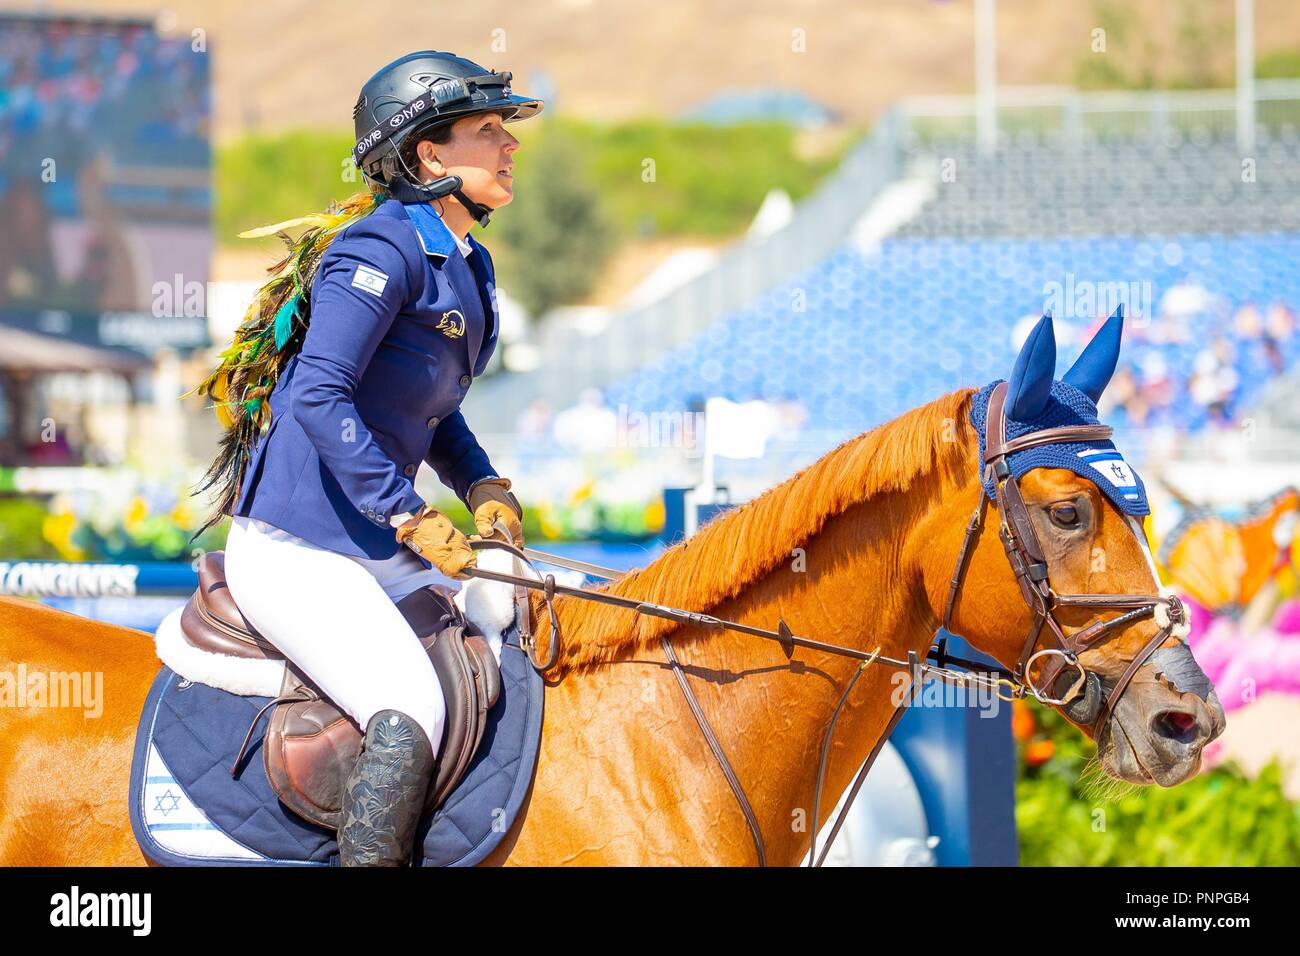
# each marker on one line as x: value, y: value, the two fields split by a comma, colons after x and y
x: 556, y: 235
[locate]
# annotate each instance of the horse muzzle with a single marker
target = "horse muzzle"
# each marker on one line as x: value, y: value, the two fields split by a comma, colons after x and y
x: 1160, y: 727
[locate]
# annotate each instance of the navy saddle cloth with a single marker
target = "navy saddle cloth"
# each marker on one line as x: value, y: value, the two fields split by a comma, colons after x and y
x: 186, y: 809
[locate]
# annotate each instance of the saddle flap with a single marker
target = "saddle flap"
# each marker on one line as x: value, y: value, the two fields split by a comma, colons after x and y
x: 487, y: 682
x: 311, y: 746
x: 464, y: 705
x: 310, y: 749
x: 486, y: 669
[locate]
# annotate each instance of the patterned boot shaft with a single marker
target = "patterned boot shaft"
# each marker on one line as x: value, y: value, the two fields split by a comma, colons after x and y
x: 385, y: 792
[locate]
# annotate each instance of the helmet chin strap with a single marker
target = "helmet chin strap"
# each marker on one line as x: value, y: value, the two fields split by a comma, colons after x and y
x: 403, y: 191
x: 408, y: 188
x: 480, y: 212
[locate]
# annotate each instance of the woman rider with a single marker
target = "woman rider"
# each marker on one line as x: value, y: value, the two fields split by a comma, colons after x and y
x: 402, y: 318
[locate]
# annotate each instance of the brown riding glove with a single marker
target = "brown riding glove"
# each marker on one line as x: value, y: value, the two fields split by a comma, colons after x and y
x: 431, y: 534
x: 491, y: 501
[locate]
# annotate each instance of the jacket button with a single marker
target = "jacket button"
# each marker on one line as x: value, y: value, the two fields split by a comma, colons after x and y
x: 409, y: 470
x: 464, y: 381
x: 432, y: 422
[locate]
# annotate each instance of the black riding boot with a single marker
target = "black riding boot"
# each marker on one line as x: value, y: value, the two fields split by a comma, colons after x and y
x: 384, y: 795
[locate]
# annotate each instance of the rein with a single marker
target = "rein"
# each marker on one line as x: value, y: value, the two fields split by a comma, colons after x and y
x: 1079, y: 697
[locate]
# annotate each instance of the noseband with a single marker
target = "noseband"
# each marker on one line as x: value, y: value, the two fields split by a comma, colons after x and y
x: 1062, y: 681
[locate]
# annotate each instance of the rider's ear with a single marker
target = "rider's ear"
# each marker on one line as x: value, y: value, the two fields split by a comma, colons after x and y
x: 1093, y: 369
x: 1031, y: 379
x: 428, y: 157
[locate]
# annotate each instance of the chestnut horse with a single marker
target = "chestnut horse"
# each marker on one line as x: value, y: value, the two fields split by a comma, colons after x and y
x: 856, y: 550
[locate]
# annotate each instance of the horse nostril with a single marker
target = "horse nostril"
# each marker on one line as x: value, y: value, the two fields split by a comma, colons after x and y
x: 1177, y: 725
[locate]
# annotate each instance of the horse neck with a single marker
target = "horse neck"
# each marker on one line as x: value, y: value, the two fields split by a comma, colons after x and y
x: 854, y: 584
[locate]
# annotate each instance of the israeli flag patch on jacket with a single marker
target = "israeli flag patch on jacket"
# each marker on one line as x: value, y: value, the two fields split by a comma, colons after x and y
x: 1111, y: 466
x: 371, y: 280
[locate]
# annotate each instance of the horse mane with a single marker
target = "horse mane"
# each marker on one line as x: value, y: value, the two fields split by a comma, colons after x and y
x: 742, y: 545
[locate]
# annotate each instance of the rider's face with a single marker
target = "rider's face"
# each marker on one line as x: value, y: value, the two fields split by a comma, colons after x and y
x: 481, y: 153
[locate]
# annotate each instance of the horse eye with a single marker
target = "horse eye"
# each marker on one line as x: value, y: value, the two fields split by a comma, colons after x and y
x: 1067, y: 516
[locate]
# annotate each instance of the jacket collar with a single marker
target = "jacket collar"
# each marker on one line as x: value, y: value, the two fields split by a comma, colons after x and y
x: 435, y: 236
x: 466, y: 275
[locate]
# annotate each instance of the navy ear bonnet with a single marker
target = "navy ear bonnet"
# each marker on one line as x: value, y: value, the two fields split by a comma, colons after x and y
x: 1098, y: 461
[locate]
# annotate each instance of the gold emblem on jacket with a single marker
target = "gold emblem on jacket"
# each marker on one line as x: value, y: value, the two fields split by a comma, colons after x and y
x: 452, y: 324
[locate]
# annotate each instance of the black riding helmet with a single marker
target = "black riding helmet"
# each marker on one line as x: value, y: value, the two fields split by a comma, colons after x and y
x: 411, y: 96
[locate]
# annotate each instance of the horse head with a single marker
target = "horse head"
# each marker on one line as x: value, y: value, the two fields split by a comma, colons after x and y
x: 1070, y: 599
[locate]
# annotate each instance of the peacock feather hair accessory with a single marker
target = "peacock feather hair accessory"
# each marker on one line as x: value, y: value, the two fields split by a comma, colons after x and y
x: 269, y: 336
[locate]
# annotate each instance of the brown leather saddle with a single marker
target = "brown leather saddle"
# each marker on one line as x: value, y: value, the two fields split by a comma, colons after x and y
x: 311, y: 745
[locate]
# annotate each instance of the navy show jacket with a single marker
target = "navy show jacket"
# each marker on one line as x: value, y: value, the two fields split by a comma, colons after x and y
x: 401, y: 323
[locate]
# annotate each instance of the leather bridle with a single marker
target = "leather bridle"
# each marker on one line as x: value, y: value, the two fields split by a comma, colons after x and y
x: 1063, y: 681
x: 1069, y: 685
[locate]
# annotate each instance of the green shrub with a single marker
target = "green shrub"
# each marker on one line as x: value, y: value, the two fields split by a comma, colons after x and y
x: 1068, y: 816
x: 21, y: 531
x: 269, y: 178
x: 1278, y: 65
x: 706, y: 181
x: 1142, y: 53
x: 585, y: 520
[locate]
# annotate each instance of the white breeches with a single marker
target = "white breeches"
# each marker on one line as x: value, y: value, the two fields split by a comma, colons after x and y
x: 335, y: 617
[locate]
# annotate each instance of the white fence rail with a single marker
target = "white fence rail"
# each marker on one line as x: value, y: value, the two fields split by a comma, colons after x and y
x: 1071, y: 117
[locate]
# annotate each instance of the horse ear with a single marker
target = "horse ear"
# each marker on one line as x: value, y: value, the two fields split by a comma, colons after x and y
x: 1031, y: 379
x: 1092, y: 370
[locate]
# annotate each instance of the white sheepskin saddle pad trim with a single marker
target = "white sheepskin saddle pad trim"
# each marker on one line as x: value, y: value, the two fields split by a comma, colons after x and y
x: 489, y: 605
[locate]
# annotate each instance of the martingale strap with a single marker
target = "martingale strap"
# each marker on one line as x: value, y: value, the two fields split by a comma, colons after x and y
x: 720, y: 755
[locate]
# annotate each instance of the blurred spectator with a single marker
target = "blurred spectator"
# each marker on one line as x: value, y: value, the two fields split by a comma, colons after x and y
x: 1249, y: 324
x: 1281, y: 322
x: 535, y: 422
x: 1156, y: 381
x: 1215, y: 381
x: 793, y: 415
x: 1124, y: 394
x: 588, y: 426
x: 26, y: 256
x: 57, y: 451
x: 107, y: 279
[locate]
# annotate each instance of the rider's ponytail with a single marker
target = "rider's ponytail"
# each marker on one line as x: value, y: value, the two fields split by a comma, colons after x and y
x: 271, y: 333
